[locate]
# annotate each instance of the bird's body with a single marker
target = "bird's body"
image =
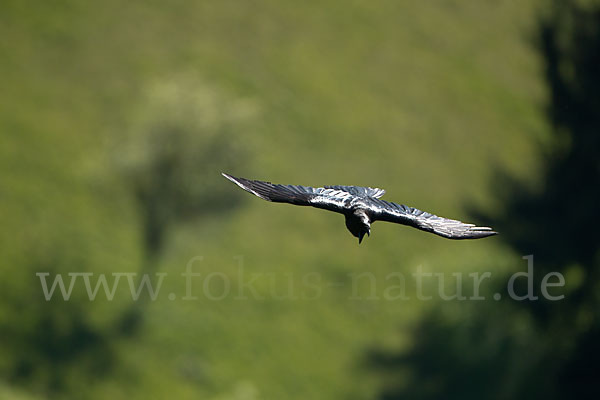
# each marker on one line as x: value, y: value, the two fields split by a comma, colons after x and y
x: 361, y: 206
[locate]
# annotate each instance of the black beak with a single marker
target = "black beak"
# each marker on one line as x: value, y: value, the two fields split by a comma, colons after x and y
x: 362, y: 235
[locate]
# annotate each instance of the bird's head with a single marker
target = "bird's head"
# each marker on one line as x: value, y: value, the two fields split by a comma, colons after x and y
x: 358, y: 224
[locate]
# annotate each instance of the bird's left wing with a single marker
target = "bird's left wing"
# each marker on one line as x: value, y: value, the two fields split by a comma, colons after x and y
x: 382, y: 210
x: 359, y: 191
x: 325, y: 198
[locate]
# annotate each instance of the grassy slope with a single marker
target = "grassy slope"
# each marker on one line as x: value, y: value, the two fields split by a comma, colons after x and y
x: 419, y: 99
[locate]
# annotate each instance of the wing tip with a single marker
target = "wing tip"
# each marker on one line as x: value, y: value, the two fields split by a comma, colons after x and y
x: 246, y: 185
x: 482, y: 232
x: 474, y: 232
x: 231, y: 178
x: 234, y: 180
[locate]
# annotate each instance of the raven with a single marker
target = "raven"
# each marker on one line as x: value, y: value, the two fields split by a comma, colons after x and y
x: 361, y: 206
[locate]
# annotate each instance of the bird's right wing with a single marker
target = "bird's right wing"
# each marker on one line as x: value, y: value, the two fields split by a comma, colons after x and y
x: 449, y: 228
x: 325, y: 198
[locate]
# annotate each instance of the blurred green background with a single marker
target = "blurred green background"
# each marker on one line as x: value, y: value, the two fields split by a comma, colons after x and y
x: 116, y: 119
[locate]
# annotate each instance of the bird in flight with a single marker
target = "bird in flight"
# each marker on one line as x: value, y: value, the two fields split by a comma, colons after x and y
x: 361, y: 206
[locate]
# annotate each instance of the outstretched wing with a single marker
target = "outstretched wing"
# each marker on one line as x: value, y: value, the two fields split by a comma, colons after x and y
x: 359, y: 190
x: 325, y: 198
x: 382, y: 210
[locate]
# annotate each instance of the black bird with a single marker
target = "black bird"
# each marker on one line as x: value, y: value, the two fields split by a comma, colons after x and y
x: 361, y: 206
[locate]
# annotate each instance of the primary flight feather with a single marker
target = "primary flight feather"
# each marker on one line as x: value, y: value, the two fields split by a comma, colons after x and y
x: 361, y: 206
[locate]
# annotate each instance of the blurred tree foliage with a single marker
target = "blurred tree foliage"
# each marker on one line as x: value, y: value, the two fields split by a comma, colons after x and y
x: 532, y: 349
x: 180, y: 139
x: 183, y: 135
